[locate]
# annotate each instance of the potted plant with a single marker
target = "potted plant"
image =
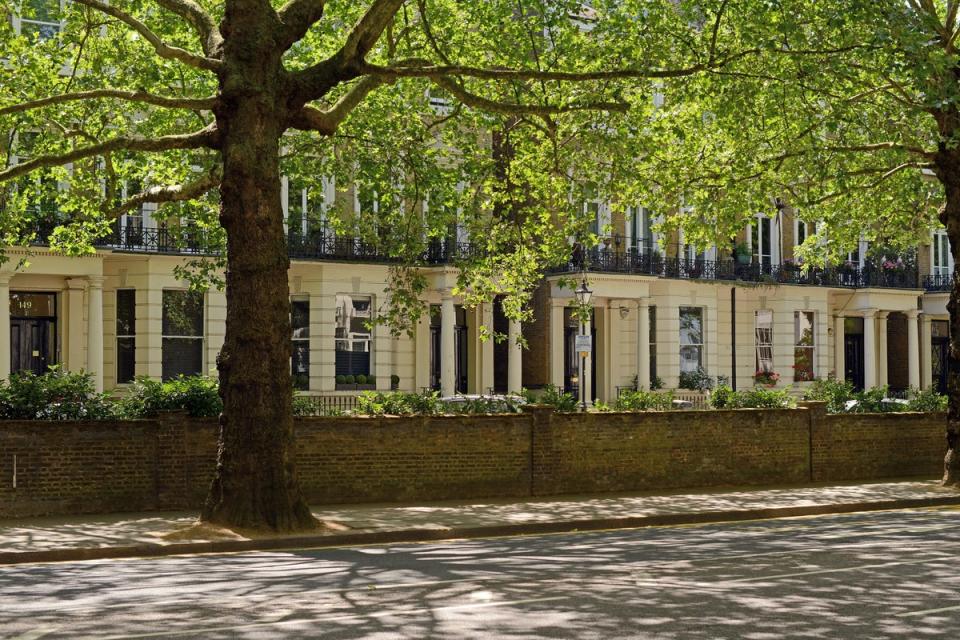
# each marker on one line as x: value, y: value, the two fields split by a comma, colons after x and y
x: 741, y: 253
x: 394, y: 382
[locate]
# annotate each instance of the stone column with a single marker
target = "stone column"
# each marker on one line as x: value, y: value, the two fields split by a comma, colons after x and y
x: 95, y: 330
x: 515, y: 358
x: 486, y: 348
x: 839, y: 363
x: 869, y: 348
x: 5, y: 325
x: 448, y: 321
x: 926, y: 347
x: 643, y: 344
x: 913, y: 348
x: 557, y: 346
x: 882, y: 379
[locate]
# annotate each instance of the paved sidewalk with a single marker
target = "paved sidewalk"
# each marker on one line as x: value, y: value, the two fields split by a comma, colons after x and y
x: 124, y: 535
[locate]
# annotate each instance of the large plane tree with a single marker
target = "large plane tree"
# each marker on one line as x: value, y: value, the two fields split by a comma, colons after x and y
x: 858, y: 130
x: 499, y: 108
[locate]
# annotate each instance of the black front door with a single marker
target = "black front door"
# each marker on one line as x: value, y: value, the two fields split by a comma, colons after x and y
x: 940, y: 362
x: 31, y: 344
x: 853, y: 359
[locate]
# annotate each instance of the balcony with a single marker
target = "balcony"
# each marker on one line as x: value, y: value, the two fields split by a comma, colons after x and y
x: 938, y: 283
x: 319, y: 245
x: 606, y: 260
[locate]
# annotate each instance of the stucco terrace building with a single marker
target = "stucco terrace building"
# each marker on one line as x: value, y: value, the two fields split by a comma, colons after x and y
x: 659, y: 309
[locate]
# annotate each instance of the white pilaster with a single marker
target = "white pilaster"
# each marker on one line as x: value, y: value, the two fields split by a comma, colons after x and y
x: 839, y: 363
x: 913, y: 348
x: 515, y: 358
x: 95, y: 330
x: 926, y: 346
x: 448, y: 320
x: 5, y: 325
x: 557, y: 346
x: 869, y: 348
x: 882, y: 378
x: 643, y: 344
x: 486, y: 348
x: 74, y: 329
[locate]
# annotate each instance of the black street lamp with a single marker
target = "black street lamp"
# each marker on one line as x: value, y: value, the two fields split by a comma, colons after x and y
x: 583, y: 295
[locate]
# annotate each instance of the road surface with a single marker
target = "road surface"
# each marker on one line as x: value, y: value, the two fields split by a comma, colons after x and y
x: 880, y: 575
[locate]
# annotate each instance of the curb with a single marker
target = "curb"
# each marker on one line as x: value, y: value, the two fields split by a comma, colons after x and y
x: 454, y: 533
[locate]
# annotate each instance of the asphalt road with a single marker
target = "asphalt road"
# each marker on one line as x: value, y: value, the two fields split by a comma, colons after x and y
x: 880, y: 575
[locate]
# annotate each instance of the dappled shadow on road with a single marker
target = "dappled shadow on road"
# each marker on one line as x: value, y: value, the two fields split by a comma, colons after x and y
x: 875, y: 576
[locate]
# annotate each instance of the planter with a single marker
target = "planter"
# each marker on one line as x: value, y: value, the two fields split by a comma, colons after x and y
x: 356, y: 387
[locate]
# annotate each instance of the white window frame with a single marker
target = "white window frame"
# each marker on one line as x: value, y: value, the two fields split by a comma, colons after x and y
x: 301, y: 339
x: 940, y: 249
x: 701, y: 346
x: 203, y: 331
x: 17, y: 21
x: 773, y: 251
x: 764, y: 340
x: 640, y: 223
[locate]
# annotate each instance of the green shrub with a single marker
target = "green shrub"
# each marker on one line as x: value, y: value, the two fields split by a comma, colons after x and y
x: 927, y: 401
x: 552, y: 396
x: 196, y: 395
x: 723, y: 397
x: 341, y: 379
x: 55, y: 395
x: 834, y: 392
x: 698, y: 380
x: 398, y: 403
x: 644, y: 401
x: 656, y: 383
x: 394, y: 380
x: 371, y: 380
x: 351, y: 380
x: 303, y: 406
x: 361, y: 379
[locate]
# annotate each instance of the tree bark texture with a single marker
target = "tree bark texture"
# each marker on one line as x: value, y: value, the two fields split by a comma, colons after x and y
x: 948, y: 171
x: 256, y: 484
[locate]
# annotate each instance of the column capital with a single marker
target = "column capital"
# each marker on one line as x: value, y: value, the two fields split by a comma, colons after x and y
x: 77, y: 283
x: 643, y: 303
x: 912, y: 314
x: 559, y: 302
x: 96, y: 282
x: 926, y: 318
x: 883, y: 315
x: 446, y: 294
x: 869, y: 313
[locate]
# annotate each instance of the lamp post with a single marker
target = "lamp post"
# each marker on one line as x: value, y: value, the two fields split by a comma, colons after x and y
x: 583, y: 295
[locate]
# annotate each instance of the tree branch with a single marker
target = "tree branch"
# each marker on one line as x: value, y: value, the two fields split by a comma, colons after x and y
x: 486, y: 104
x: 202, y: 22
x: 163, y: 50
x: 368, y: 30
x: 129, y: 96
x: 172, y: 193
x: 297, y: 16
x: 327, y: 121
x: 208, y: 137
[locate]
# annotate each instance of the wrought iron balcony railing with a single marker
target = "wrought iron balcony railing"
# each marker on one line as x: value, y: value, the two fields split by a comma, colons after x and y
x: 938, y: 282
x: 323, y: 244
x: 654, y: 264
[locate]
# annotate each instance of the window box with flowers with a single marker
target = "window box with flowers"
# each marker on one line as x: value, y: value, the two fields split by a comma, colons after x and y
x: 766, y: 378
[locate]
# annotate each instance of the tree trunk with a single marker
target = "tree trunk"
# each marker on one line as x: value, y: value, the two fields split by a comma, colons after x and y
x: 948, y: 171
x: 256, y: 484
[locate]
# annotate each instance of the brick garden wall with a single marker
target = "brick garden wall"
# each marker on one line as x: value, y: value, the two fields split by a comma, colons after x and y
x: 100, y: 467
